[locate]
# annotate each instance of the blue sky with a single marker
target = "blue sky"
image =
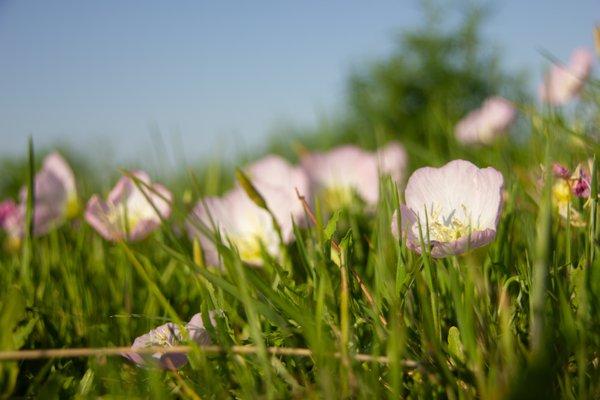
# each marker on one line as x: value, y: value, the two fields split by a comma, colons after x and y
x: 216, y: 76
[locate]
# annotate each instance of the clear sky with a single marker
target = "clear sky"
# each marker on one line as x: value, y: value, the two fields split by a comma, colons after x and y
x: 219, y: 75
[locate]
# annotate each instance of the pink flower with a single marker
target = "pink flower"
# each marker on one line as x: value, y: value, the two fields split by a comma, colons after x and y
x: 581, y: 182
x: 169, y: 335
x: 348, y: 171
x: 560, y: 171
x: 565, y: 82
x: 486, y: 123
x: 392, y: 160
x: 55, y: 199
x: 238, y: 222
x: 132, y: 210
x: 7, y: 208
x: 277, y: 181
x: 453, y: 208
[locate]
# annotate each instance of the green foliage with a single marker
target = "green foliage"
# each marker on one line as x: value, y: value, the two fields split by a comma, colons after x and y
x: 432, y: 78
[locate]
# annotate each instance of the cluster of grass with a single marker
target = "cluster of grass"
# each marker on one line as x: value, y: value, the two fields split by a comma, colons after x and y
x: 519, y: 318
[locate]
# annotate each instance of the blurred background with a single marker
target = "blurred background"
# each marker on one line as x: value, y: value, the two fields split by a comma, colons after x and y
x: 132, y: 82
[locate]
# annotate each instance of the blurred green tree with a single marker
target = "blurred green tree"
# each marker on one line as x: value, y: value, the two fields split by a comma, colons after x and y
x: 434, y: 76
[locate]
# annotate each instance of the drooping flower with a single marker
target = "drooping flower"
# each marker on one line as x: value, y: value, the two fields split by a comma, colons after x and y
x: 564, y: 82
x: 347, y: 171
x: 560, y: 171
x: 487, y: 122
x: 169, y: 335
x: 581, y: 182
x: 55, y: 195
x: 569, y: 186
x: 237, y: 221
x: 451, y: 209
x: 132, y: 211
x: 562, y: 199
x: 277, y: 182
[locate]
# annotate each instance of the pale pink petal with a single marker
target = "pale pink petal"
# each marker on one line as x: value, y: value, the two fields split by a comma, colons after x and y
x: 581, y: 62
x: 121, y: 191
x: 7, y: 207
x: 458, y: 191
x: 407, y: 232
x: 54, y: 188
x: 237, y: 219
x: 392, y: 160
x: 560, y: 171
x: 143, y: 229
x: 96, y: 214
x: 50, y: 201
x: 485, y: 202
x: 166, y: 335
x: 277, y: 181
x: 208, y: 216
x: 56, y: 164
x: 46, y: 217
x: 344, y: 167
x: 137, y: 207
x: 563, y: 83
x: 486, y: 123
x: 197, y: 331
x: 464, y: 244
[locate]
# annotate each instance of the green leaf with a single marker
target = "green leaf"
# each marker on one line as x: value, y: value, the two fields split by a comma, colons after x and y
x: 332, y: 225
x: 250, y: 190
x: 12, y: 311
x: 454, y: 344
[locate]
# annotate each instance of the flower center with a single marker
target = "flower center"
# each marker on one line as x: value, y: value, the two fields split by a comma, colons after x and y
x: 72, y: 207
x: 164, y: 337
x: 336, y: 197
x: 447, y: 228
x: 561, y: 192
x: 125, y: 218
x: 249, y: 246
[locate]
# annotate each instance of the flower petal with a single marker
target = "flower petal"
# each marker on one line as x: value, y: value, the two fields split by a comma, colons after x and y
x: 237, y: 220
x: 465, y: 243
x: 277, y: 181
x: 96, y: 214
x: 563, y: 83
x: 133, y: 209
x: 486, y: 123
x: 56, y: 164
x: 392, y: 160
x: 452, y: 200
x: 197, y: 331
x: 344, y: 167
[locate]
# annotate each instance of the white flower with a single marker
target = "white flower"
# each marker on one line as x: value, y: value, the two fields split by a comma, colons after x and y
x: 453, y: 208
x: 238, y: 221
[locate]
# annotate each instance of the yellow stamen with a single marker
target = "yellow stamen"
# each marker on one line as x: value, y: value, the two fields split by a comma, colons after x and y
x: 336, y: 197
x: 447, y: 228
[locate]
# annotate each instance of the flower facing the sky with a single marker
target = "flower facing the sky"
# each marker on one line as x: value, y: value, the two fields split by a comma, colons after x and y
x: 169, y: 335
x: 277, y: 182
x: 487, y: 122
x: 451, y: 209
x: 337, y: 176
x: 239, y: 222
x: 564, y: 82
x: 55, y: 200
x: 132, y: 210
